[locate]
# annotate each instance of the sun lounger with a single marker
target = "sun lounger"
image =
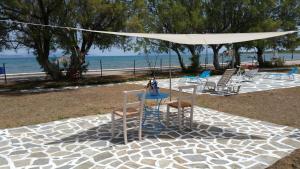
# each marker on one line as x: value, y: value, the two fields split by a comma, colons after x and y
x: 249, y: 75
x: 279, y: 76
x: 201, y: 78
x: 223, y: 86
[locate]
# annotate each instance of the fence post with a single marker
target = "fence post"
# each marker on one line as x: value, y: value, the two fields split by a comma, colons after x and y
x: 134, y: 67
x: 58, y: 65
x: 161, y: 65
x: 101, y: 67
x: 4, y: 73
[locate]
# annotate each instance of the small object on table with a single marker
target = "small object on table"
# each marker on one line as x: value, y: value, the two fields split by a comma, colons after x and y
x: 152, y: 87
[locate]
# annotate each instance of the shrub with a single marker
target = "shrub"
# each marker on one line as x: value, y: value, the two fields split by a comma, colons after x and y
x: 275, y: 62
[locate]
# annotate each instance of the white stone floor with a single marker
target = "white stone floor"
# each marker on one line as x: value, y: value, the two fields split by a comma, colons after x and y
x: 258, y: 84
x: 217, y: 140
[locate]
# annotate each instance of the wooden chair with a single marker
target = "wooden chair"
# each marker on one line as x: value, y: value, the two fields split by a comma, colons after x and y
x: 129, y: 110
x: 182, y: 104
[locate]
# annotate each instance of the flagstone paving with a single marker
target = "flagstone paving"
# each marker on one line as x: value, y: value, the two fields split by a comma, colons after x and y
x: 258, y: 84
x: 217, y: 140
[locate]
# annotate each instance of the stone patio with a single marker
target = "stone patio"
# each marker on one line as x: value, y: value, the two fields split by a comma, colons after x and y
x: 258, y: 84
x: 217, y: 140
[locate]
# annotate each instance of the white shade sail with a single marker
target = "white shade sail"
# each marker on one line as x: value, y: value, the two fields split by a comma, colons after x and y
x: 189, y: 39
x: 197, y: 39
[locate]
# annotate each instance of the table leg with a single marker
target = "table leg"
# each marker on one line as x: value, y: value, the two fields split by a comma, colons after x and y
x: 156, y: 114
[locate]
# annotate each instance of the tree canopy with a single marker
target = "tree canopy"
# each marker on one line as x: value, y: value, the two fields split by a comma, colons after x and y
x: 168, y: 16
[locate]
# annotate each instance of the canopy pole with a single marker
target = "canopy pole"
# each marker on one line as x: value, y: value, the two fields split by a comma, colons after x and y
x: 206, y: 57
x: 170, y: 73
x: 233, y: 56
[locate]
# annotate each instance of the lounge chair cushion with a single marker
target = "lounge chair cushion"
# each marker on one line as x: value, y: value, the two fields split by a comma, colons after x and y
x: 130, y: 112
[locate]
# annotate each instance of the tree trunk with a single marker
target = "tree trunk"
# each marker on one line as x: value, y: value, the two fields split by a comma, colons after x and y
x: 260, y: 59
x: 53, y: 70
x: 180, y: 59
x: 237, y: 55
x: 48, y: 67
x: 216, y: 62
x: 42, y: 45
x: 194, y: 58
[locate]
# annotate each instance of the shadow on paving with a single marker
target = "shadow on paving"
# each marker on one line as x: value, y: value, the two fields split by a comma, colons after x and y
x: 199, y: 131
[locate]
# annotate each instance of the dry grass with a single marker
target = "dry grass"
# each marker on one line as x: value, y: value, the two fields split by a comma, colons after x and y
x: 289, y: 162
x: 26, y: 109
x: 277, y: 106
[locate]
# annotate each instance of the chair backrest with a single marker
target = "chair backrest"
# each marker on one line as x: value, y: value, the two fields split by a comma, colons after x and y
x: 139, y: 100
x: 189, y: 97
x: 226, y: 77
x: 205, y: 74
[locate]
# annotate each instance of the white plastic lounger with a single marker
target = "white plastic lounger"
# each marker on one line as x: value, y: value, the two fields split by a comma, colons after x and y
x: 223, y: 86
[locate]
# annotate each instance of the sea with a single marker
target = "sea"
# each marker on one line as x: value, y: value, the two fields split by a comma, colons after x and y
x: 28, y: 64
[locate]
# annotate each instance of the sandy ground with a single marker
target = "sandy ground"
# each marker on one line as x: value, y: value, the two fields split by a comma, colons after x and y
x: 25, y: 109
x: 290, y: 162
x: 276, y: 106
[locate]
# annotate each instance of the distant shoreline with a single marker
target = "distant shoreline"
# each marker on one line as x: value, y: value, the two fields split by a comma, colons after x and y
x: 121, y: 71
x: 15, y: 65
x: 202, y: 53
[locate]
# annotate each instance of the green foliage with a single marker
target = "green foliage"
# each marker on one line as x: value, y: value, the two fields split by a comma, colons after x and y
x: 40, y: 39
x: 4, y: 36
x: 275, y: 62
x: 167, y: 16
x: 172, y: 16
x: 265, y: 19
x: 92, y: 14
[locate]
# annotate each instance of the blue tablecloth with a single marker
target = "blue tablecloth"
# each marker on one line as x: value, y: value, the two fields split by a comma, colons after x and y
x: 154, y: 111
x: 158, y: 96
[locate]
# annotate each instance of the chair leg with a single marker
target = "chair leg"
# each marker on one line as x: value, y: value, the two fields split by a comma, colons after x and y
x: 113, y: 125
x: 168, y: 116
x: 191, y: 117
x: 179, y: 118
x: 125, y: 130
x: 140, y: 126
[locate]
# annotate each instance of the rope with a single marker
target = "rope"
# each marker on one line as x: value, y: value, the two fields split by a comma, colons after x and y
x: 52, y: 26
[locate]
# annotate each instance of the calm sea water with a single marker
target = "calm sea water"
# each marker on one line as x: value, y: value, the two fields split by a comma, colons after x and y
x: 19, y: 64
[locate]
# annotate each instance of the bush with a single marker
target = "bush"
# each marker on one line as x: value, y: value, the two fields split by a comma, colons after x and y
x: 279, y: 62
x: 275, y: 62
